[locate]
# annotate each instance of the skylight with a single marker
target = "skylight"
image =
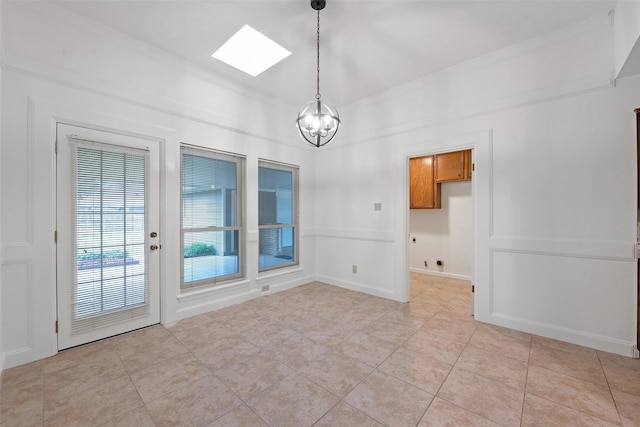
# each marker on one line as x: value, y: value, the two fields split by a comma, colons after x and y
x: 250, y: 51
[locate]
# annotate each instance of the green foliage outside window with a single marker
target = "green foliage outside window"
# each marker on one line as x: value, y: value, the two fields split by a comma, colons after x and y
x: 199, y: 249
x: 89, y: 256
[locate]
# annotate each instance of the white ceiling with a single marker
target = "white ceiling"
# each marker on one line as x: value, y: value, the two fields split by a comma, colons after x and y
x: 366, y: 46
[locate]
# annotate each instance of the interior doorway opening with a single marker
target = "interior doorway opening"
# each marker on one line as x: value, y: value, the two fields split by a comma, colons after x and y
x: 441, y: 229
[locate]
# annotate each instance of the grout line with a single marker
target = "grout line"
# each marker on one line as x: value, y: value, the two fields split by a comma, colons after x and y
x: 372, y: 307
x: 453, y: 365
x: 564, y: 354
x: 570, y: 407
x: 374, y: 368
x: 426, y: 409
x: 553, y: 402
x: 615, y: 404
x: 452, y: 368
x: 526, y: 380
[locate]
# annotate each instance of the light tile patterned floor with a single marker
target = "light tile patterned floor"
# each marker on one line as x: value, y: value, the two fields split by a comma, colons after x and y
x: 319, y: 355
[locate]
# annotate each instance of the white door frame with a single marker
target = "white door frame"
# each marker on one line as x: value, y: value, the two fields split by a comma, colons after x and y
x: 37, y: 336
x: 66, y: 338
x: 481, y: 142
x: 442, y: 150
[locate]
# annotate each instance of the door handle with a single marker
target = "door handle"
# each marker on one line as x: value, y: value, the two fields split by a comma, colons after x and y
x: 153, y: 247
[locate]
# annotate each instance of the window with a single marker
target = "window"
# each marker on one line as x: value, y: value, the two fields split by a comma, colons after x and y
x: 108, y: 236
x: 212, y: 210
x: 277, y: 215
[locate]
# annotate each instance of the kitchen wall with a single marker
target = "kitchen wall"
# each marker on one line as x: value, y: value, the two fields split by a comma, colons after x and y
x: 58, y: 67
x: 554, y: 214
x: 444, y: 234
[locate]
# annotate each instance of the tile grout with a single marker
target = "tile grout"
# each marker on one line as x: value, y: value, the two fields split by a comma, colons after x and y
x: 526, y: 381
x: 372, y: 311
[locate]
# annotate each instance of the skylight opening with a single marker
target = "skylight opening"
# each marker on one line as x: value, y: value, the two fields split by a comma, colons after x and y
x: 251, y: 51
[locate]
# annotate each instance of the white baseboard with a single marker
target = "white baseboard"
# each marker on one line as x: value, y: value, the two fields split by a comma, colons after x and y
x: 19, y: 357
x: 358, y: 287
x: 440, y: 273
x: 287, y: 285
x: 585, y: 339
x: 236, y: 298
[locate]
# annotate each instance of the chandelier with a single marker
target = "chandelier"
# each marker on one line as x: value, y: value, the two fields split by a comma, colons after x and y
x: 318, y: 122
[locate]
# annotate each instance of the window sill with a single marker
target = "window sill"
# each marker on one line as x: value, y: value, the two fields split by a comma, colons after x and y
x: 270, y: 274
x: 190, y: 295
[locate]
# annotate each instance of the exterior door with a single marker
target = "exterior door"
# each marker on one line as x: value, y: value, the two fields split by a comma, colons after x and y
x: 107, y: 234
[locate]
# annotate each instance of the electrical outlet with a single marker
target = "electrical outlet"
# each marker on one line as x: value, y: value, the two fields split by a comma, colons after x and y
x: 377, y: 206
x: 354, y: 269
x: 425, y: 264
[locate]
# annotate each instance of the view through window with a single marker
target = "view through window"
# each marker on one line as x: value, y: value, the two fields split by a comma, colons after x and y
x: 211, y: 217
x: 277, y: 215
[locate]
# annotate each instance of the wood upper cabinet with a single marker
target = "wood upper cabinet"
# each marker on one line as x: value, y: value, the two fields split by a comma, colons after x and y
x: 454, y: 166
x: 424, y: 192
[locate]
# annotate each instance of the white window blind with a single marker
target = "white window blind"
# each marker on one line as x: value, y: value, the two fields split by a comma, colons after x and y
x: 109, y: 283
x: 212, y: 207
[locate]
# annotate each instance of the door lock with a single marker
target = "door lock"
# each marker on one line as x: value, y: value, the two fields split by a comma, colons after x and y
x: 153, y: 247
x: 153, y: 234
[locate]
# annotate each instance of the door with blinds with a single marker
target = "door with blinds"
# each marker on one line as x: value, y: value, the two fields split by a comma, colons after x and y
x: 107, y: 234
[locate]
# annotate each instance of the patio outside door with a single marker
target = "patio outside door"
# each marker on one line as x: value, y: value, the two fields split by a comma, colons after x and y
x: 107, y: 234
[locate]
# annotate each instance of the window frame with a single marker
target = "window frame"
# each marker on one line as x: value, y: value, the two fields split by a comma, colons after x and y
x: 295, y: 214
x: 239, y: 212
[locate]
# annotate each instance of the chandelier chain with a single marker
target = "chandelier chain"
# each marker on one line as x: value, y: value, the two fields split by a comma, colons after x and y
x: 318, y: 59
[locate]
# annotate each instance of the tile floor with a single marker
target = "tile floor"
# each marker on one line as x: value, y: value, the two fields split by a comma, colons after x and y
x: 318, y: 355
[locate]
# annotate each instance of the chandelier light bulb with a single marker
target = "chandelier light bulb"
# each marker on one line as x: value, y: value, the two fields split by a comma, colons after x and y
x: 318, y: 123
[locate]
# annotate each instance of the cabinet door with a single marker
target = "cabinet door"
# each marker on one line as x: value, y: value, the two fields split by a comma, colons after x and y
x: 454, y: 166
x: 424, y: 192
x: 468, y: 166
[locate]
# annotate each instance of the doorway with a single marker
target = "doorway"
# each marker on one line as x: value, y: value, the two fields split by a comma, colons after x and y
x: 441, y: 231
x: 108, y: 217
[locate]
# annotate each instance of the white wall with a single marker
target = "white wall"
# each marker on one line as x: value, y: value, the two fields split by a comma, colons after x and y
x: 627, y: 38
x: 444, y: 234
x: 554, y: 187
x: 59, y: 67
